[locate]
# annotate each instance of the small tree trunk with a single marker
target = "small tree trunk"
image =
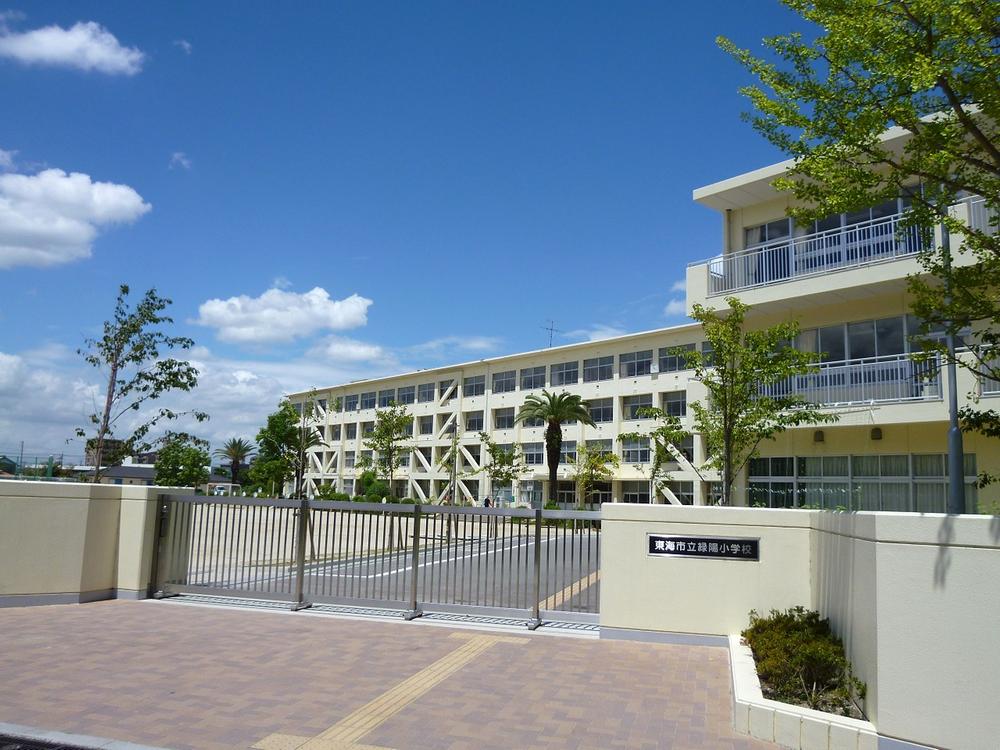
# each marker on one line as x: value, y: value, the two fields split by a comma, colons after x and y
x: 103, y: 430
x: 553, y: 447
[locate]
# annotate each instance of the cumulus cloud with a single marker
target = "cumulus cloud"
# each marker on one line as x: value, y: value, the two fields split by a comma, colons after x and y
x: 86, y: 45
x: 674, y: 308
x: 341, y: 349
x: 179, y: 159
x: 185, y: 45
x: 7, y: 159
x: 279, y: 315
x: 679, y: 286
x: 596, y: 332
x: 53, y: 217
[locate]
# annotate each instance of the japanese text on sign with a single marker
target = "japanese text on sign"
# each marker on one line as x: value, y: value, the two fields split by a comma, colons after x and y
x: 712, y: 547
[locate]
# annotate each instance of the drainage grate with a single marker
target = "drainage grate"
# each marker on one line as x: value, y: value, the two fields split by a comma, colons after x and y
x: 346, y: 609
x: 480, y: 619
x: 18, y: 743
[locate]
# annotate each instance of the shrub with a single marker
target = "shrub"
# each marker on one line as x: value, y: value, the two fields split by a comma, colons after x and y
x: 800, y: 660
x: 327, y: 492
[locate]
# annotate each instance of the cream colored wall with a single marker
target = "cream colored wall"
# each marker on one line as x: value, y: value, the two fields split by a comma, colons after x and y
x: 688, y: 595
x: 67, y: 541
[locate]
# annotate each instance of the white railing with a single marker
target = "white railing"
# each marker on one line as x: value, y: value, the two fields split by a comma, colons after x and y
x: 896, y: 377
x: 981, y: 218
x: 844, y: 247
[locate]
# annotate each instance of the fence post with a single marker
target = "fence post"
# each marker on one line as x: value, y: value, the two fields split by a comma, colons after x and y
x: 414, y: 611
x: 162, y: 514
x: 536, y: 617
x: 299, y: 601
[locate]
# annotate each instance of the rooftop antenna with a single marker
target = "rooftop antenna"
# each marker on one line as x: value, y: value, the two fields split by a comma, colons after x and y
x: 551, y: 328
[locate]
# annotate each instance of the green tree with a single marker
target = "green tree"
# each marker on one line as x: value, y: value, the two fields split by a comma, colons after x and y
x: 667, y: 433
x: 237, y: 451
x: 553, y: 409
x: 388, y: 441
x: 742, y: 367
x: 929, y: 69
x: 277, y: 448
x: 506, y: 465
x: 181, y: 461
x: 129, y: 352
x: 592, y: 465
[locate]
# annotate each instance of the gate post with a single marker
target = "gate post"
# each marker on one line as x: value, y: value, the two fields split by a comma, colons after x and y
x: 414, y: 611
x: 299, y: 601
x: 536, y: 618
x: 155, y: 590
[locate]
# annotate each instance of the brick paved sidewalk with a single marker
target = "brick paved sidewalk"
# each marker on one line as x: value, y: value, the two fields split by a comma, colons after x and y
x: 202, y: 678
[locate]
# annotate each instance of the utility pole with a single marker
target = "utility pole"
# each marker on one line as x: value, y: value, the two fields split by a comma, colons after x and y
x: 956, y: 452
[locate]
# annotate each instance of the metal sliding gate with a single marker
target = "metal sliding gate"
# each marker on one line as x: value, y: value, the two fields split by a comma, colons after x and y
x: 512, y: 562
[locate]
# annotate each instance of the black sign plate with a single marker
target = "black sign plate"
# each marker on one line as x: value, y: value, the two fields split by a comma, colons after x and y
x: 713, y: 547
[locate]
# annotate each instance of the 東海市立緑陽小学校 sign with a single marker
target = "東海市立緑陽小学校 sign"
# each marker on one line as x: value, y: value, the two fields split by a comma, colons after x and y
x: 711, y: 547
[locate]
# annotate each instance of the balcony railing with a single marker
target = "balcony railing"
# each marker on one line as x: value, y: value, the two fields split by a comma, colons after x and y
x: 896, y: 377
x: 844, y: 247
x: 981, y: 218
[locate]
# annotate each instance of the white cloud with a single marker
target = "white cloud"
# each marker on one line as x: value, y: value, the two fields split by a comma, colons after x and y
x: 53, y: 217
x: 596, y: 332
x: 7, y: 159
x: 679, y: 286
x: 279, y: 315
x: 86, y: 46
x: 281, y: 282
x: 184, y: 44
x: 448, y: 344
x: 341, y: 349
x: 674, y: 308
x: 179, y: 159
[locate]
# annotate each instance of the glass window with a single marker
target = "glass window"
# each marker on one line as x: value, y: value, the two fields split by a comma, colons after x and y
x: 566, y: 373
x: 600, y: 446
x: 532, y: 377
x: 707, y: 354
x: 532, y: 422
x: 601, y: 409
x: 889, y: 336
x: 474, y: 386
x: 351, y: 403
x: 759, y: 467
x: 861, y: 340
x: 386, y: 397
x: 635, y: 492
x: 675, y: 403
x: 782, y: 466
x: 772, y: 231
x: 367, y: 428
x: 831, y: 343
x: 336, y: 432
x: 368, y: 400
x: 635, y: 363
x: 632, y: 404
x: 672, y: 358
x: 835, y: 466
x: 598, y: 368
x: 473, y: 421
x: 352, y: 431
x: 895, y: 466
x: 425, y: 393
x: 504, y: 382
x: 683, y: 491
x: 426, y: 424
x: 865, y: 466
x: 566, y: 493
x: 686, y: 447
x: 443, y: 388
x: 810, y: 466
x: 567, y: 452
x: 404, y: 459
x: 635, y: 451
x: 348, y: 459
x: 503, y: 419
x: 534, y: 453
x: 928, y: 465
x: 407, y: 395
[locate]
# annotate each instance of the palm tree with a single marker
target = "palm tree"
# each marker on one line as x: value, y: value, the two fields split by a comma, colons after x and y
x: 554, y: 409
x: 238, y: 451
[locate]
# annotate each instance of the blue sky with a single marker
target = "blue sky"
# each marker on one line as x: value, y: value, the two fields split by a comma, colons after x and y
x: 329, y: 190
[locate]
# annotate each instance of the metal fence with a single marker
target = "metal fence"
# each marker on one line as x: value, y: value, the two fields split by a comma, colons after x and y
x: 537, y: 563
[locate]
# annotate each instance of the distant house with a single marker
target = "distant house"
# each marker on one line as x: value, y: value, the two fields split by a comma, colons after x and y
x: 7, y: 466
x: 128, y: 474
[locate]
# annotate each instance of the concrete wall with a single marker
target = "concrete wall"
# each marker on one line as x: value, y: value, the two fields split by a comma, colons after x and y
x: 916, y: 598
x: 64, y: 542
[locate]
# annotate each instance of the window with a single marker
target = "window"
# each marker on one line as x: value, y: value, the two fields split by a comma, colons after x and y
x: 531, y: 493
x: 686, y: 447
x: 321, y: 402
x: 335, y: 432
x: 632, y: 404
x: 352, y: 431
x: 534, y: 453
x: 426, y: 425
x: 600, y: 446
x: 683, y: 491
x: 532, y: 422
x: 600, y: 492
x: 599, y: 368
x: 368, y: 400
x: 567, y: 452
x: 635, y: 451
x: 348, y: 459
x: 672, y: 358
x: 532, y: 377
x: 351, y: 403
x: 298, y: 410
x: 425, y: 393
x: 474, y: 386
x: 635, y: 492
x: 387, y: 397
x: 404, y: 458
x: 504, y: 382
x: 707, y: 354
x: 368, y: 456
x: 447, y: 421
x: 566, y: 493
x: 601, y: 409
x: 503, y: 419
x: 635, y: 363
x: 772, y: 231
x: 367, y: 428
x: 443, y: 387
x: 473, y: 421
x: 675, y: 403
x: 407, y: 395
x: 567, y: 373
